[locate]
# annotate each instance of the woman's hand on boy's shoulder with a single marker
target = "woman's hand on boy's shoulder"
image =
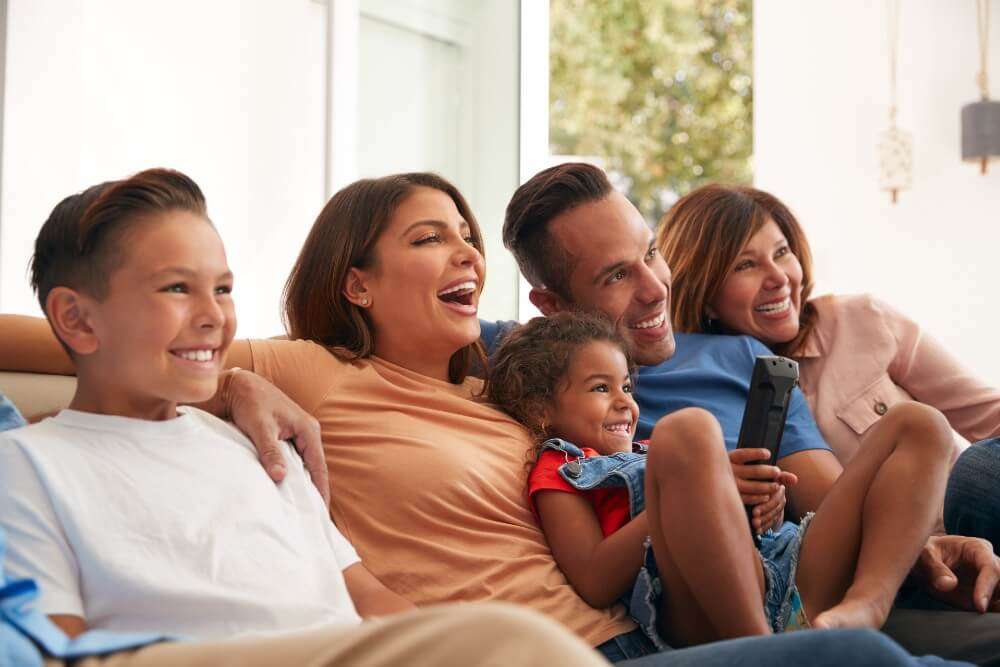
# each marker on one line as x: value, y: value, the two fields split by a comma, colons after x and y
x: 267, y: 416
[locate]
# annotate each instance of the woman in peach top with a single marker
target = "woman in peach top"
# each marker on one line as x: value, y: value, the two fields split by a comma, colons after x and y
x: 741, y: 264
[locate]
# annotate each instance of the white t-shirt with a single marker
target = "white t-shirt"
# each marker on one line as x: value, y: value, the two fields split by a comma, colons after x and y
x: 170, y: 527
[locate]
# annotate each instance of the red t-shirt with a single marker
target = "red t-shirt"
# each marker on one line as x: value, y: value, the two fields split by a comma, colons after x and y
x: 610, y: 504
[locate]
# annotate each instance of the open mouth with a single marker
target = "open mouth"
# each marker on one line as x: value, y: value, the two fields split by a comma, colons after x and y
x: 621, y: 429
x: 775, y: 307
x: 462, y: 295
x: 199, y: 356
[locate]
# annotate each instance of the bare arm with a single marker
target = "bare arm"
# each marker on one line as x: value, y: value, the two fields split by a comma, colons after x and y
x: 71, y: 625
x: 816, y: 470
x: 28, y: 345
x: 600, y: 568
x: 370, y: 596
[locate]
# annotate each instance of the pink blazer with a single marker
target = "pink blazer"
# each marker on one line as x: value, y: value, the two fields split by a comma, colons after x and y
x: 864, y: 356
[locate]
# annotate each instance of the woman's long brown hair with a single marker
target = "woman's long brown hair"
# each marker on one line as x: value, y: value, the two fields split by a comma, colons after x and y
x: 700, y: 238
x: 344, y: 236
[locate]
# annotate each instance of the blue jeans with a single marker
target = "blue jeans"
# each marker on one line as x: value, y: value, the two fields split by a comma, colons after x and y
x: 816, y: 648
x: 972, y: 501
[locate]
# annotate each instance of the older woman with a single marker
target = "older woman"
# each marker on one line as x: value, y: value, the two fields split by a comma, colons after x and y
x: 741, y: 264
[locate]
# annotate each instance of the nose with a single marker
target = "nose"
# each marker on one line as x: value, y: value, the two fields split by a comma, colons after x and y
x: 210, y: 314
x: 775, y: 276
x: 651, y: 287
x: 467, y: 255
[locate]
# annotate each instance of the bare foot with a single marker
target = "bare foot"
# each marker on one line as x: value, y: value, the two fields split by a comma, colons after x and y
x: 862, y: 612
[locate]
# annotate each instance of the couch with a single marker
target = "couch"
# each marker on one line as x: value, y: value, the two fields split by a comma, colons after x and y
x: 35, y: 394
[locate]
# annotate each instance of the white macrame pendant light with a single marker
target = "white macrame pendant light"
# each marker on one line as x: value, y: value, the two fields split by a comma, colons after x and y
x: 895, y: 148
x: 981, y: 120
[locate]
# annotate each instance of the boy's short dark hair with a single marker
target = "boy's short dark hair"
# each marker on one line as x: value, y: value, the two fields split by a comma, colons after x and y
x: 532, y: 359
x: 80, y: 244
x: 548, y: 194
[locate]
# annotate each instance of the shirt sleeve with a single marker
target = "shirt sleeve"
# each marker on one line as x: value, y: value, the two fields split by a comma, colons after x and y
x: 801, y: 432
x: 301, y: 369
x: 37, y: 546
x: 9, y: 416
x: 932, y: 375
x: 545, y: 476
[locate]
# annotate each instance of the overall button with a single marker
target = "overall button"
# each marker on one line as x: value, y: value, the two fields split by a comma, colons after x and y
x: 881, y: 408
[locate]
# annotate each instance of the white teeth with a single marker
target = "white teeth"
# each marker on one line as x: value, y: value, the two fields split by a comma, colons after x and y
x: 650, y: 324
x: 777, y: 307
x: 461, y: 287
x: 196, y: 355
x: 620, y: 428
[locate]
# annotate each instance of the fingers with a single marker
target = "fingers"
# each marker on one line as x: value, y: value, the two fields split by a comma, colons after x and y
x: 751, y: 455
x: 931, y: 568
x: 770, y: 512
x: 988, y: 566
x: 749, y: 489
x: 788, y: 478
x: 762, y: 472
x: 310, y: 445
x: 263, y: 436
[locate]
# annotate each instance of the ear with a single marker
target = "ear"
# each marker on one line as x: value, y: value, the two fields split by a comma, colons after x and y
x: 548, y: 302
x: 356, y: 288
x: 69, y: 314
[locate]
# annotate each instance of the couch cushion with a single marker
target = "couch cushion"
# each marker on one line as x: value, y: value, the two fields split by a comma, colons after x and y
x: 37, y: 394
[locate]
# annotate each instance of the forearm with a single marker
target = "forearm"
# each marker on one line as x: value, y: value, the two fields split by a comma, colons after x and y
x: 28, y: 345
x: 371, y: 598
x: 612, y: 565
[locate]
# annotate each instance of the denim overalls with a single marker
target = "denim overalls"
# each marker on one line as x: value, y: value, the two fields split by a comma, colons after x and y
x: 779, y: 549
x: 626, y: 469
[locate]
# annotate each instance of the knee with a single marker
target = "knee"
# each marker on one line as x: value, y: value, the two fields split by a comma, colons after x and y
x: 931, y: 431
x: 688, y: 437
x: 532, y: 638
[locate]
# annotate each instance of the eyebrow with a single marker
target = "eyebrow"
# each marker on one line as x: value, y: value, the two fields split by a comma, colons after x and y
x: 187, y: 273
x: 620, y: 264
x: 776, y: 245
x: 437, y: 224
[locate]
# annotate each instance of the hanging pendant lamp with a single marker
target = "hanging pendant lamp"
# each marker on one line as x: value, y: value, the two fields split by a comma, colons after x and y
x: 895, y: 149
x: 981, y: 120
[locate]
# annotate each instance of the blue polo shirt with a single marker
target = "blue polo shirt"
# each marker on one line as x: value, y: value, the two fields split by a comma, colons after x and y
x: 706, y: 371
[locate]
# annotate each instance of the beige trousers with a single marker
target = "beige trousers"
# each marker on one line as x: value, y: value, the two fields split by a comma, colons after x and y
x: 461, y: 635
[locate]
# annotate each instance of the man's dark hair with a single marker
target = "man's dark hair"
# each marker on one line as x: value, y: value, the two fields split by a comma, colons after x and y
x: 81, y: 243
x: 547, y: 195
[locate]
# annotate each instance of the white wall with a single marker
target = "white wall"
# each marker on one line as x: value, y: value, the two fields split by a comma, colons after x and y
x: 228, y: 91
x: 820, y: 102
x: 233, y: 93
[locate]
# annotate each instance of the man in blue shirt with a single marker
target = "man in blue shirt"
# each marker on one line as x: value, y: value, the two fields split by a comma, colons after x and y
x: 582, y: 245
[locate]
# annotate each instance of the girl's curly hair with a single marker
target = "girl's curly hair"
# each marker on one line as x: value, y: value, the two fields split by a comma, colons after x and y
x: 533, y: 359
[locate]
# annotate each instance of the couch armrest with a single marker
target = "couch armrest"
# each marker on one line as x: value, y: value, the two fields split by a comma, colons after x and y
x: 36, y: 394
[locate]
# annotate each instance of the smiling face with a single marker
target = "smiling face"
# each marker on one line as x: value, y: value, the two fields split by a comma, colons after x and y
x: 424, y: 284
x: 593, y: 406
x: 160, y: 335
x: 762, y: 293
x: 618, y: 271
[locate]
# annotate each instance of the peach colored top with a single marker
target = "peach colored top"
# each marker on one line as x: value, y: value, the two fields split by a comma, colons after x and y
x: 864, y: 356
x: 429, y: 485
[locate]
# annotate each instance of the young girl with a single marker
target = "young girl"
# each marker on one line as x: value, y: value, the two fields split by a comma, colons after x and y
x: 567, y: 378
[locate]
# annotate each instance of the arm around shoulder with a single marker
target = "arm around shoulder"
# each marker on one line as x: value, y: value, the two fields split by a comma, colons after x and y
x: 27, y: 344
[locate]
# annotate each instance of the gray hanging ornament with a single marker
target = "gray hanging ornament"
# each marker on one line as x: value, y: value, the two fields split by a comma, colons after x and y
x: 981, y: 120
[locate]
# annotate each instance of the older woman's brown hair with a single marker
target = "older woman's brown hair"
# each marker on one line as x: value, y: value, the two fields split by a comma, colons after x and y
x: 344, y: 236
x: 700, y: 238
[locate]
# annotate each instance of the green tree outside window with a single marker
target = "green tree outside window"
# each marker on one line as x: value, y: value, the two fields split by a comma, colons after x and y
x: 660, y: 90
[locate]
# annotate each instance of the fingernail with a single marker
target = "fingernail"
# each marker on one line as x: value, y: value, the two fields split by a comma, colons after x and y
x: 276, y: 470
